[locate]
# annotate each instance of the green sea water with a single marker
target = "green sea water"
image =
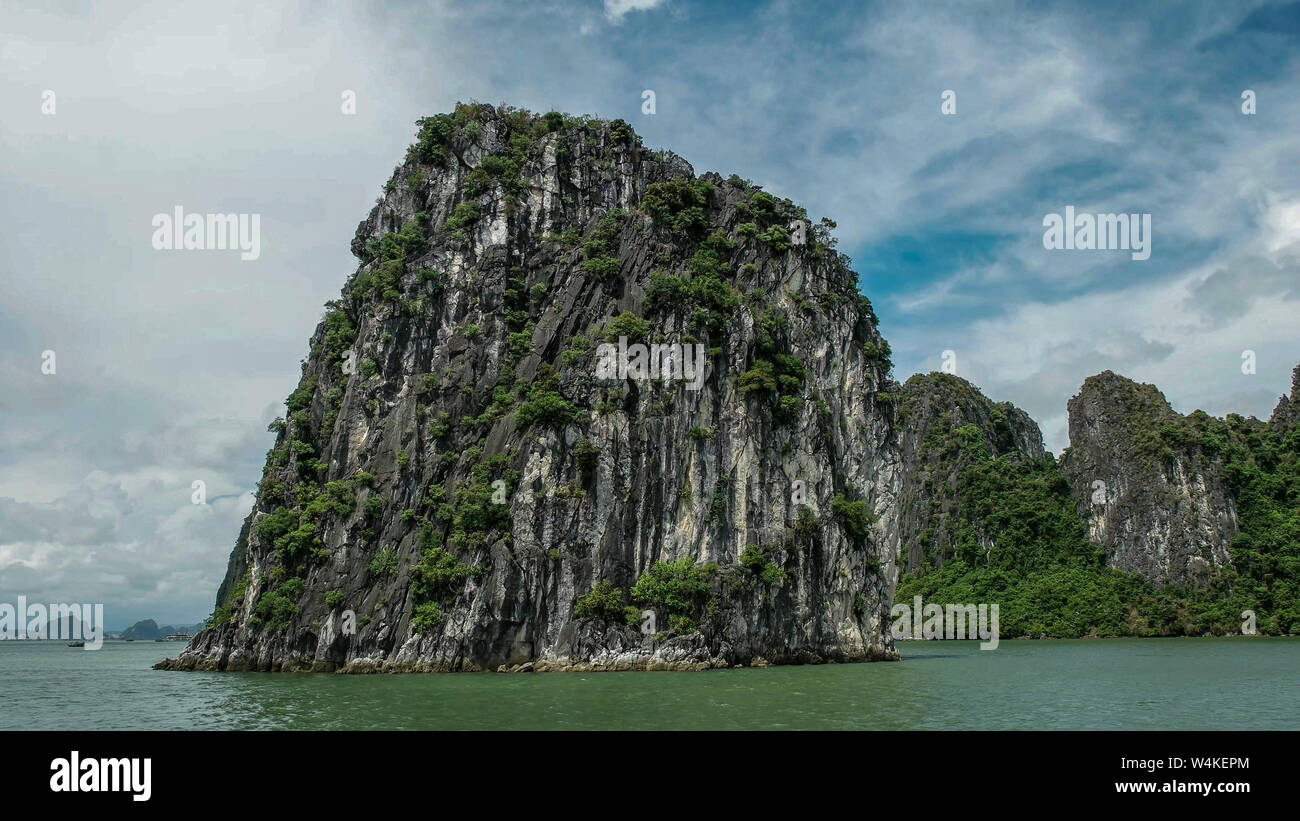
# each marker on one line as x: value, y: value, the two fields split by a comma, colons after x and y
x: 1111, y: 684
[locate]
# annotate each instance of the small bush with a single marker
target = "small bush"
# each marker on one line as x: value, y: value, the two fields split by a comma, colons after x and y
x: 602, y: 267
x: 629, y: 325
x: 439, y: 575
x: 632, y: 616
x: 384, y: 563
x: 681, y: 624
x: 521, y: 342
x: 666, y: 292
x: 549, y: 408
x: 754, y: 558
x: 677, y: 587
x: 678, y: 204
x: 760, y: 378
x: 805, y: 522
x: 301, y: 398
x: 856, y: 516
x: 776, y: 237
x: 604, y: 601
x: 427, y: 616
x: 464, y: 215
x: 277, y: 607
x: 788, y: 409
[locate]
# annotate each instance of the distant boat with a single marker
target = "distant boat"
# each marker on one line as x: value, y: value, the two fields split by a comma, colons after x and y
x: 76, y: 644
x: 177, y: 637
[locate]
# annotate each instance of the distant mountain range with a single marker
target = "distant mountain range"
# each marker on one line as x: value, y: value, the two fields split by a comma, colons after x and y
x: 148, y: 629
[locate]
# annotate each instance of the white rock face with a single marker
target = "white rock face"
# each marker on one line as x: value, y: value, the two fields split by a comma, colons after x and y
x: 473, y: 326
x: 1162, y: 511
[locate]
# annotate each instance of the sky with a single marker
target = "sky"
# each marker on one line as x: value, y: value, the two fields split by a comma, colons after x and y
x: 169, y: 365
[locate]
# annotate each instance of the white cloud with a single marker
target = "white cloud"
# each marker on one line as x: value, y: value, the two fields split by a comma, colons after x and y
x: 1037, y: 354
x: 1283, y: 222
x: 616, y: 10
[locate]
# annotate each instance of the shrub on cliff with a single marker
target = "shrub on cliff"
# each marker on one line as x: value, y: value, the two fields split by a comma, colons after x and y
x: 277, y: 607
x: 627, y: 324
x: 679, y: 587
x: 856, y: 516
x: 756, y: 559
x: 384, y: 563
x: 549, y: 408
x: 678, y: 204
x: 438, y: 575
x: 427, y: 616
x: 604, y: 601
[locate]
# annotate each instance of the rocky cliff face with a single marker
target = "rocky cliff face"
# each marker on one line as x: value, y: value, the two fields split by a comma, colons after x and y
x: 1286, y: 415
x: 465, y: 480
x: 1154, y: 497
x: 946, y: 423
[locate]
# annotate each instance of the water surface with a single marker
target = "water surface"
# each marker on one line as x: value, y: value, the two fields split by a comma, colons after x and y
x: 1108, y: 684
